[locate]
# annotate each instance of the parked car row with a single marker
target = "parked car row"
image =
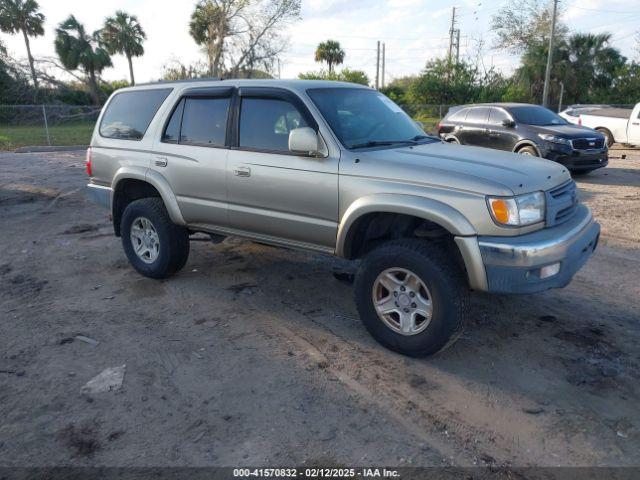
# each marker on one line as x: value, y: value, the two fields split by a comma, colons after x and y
x: 578, y: 137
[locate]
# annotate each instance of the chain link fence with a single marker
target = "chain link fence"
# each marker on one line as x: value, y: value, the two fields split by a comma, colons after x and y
x: 64, y: 125
x: 46, y: 125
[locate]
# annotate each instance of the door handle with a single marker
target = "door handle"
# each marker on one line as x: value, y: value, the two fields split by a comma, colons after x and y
x: 242, y: 171
x: 161, y: 161
x: 635, y: 123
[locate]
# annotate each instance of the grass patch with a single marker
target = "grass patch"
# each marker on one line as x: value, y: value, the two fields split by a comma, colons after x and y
x: 73, y: 133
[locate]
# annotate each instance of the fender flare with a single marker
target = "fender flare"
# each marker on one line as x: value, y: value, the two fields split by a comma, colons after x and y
x: 157, y: 181
x: 526, y: 143
x: 433, y: 210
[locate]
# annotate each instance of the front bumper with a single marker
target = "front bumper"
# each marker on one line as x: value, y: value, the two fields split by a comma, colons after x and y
x: 513, y: 264
x: 100, y: 195
x: 579, y: 160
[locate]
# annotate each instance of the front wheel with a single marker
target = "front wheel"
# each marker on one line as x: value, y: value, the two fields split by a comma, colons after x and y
x: 528, y: 151
x: 608, y: 136
x: 412, y: 297
x: 155, y: 247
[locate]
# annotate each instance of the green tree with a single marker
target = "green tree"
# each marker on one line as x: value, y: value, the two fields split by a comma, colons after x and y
x: 443, y: 83
x: 123, y: 34
x: 79, y: 50
x: 331, y: 53
x: 23, y: 16
x: 345, y: 75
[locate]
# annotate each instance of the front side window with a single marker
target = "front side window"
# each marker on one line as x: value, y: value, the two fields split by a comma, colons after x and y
x: 498, y: 116
x: 536, y: 115
x: 129, y: 114
x: 362, y: 117
x: 265, y: 123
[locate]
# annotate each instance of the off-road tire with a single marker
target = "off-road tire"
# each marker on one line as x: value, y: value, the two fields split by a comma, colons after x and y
x: 445, y: 280
x: 528, y: 151
x: 608, y: 136
x: 173, y: 239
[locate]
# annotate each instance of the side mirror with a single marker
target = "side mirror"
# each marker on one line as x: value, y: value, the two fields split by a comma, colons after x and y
x: 508, y: 123
x: 304, y: 141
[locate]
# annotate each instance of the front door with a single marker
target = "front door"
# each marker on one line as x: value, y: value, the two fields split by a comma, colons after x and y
x: 192, y: 155
x: 273, y: 192
x: 500, y: 136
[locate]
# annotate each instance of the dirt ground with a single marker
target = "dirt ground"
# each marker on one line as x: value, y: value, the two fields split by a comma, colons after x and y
x: 254, y: 355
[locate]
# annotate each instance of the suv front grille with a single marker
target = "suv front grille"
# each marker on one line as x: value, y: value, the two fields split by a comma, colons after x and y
x: 561, y: 203
x: 587, y: 143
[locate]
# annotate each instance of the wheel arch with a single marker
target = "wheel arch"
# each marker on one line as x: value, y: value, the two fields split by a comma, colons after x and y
x: 131, y: 184
x: 438, y: 213
x: 526, y: 143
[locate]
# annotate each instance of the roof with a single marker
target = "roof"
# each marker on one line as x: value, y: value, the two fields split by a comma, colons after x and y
x: 500, y: 104
x: 293, y: 84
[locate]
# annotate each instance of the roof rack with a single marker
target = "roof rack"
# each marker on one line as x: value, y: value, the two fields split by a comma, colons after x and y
x: 186, y: 80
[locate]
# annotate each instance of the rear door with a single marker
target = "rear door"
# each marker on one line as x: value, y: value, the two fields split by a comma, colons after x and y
x: 192, y: 154
x: 633, y: 129
x: 473, y: 131
x: 499, y: 136
x: 272, y: 191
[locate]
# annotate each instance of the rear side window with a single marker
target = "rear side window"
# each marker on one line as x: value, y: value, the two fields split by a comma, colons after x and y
x: 129, y: 114
x: 478, y: 115
x: 459, y: 115
x: 204, y: 121
x: 265, y: 123
x: 198, y: 121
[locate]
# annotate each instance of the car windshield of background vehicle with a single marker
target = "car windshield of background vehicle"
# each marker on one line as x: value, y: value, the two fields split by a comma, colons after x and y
x: 533, y: 115
x: 366, y: 118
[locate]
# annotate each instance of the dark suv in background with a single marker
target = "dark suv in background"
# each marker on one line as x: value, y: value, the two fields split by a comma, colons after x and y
x: 526, y: 129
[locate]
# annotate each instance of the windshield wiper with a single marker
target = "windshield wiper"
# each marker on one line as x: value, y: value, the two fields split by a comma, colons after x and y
x: 381, y: 143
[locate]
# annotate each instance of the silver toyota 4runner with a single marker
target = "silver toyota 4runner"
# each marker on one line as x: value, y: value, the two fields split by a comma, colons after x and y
x: 336, y: 168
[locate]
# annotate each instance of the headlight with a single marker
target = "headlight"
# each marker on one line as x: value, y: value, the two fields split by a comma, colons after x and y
x: 517, y: 211
x: 554, y: 139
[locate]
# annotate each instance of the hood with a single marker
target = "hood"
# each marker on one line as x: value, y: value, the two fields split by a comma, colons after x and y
x: 460, y: 167
x: 566, y: 131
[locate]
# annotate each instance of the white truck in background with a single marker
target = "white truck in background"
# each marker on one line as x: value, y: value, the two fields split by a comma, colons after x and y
x: 621, y: 125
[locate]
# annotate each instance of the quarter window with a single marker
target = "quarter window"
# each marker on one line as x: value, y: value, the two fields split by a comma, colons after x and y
x: 129, y: 114
x: 459, y: 116
x: 265, y: 123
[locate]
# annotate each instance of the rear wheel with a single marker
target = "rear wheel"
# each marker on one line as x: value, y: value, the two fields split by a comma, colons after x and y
x: 155, y: 246
x: 528, y: 151
x: 412, y: 297
x: 608, y: 136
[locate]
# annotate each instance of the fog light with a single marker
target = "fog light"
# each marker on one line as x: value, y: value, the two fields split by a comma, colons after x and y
x: 550, y: 270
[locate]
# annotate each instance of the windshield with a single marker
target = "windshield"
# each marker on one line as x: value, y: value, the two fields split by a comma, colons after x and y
x: 365, y: 118
x: 535, y: 115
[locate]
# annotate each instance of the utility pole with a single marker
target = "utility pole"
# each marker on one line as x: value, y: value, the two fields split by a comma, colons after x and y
x: 561, y: 95
x: 451, y: 33
x: 382, y: 82
x: 279, y: 77
x: 547, y: 74
x: 457, y: 46
x: 378, y: 66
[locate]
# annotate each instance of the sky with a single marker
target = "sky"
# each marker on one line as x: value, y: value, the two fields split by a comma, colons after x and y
x: 413, y: 31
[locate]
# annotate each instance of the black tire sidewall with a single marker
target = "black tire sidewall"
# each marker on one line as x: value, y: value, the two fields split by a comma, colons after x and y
x: 445, y: 289
x: 145, y: 208
x: 608, y: 136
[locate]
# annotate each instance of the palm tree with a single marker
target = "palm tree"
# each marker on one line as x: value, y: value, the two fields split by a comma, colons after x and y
x: 331, y: 53
x: 209, y: 26
x: 123, y: 34
x: 23, y: 16
x: 77, y: 49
